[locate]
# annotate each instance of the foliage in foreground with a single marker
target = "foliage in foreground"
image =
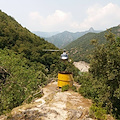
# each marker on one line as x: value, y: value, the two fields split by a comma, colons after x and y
x: 102, y: 83
x: 18, y: 81
x: 98, y: 112
x: 21, y: 80
x: 67, y: 87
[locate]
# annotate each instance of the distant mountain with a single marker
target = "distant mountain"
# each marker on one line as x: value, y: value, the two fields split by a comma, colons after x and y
x: 62, y: 39
x: 45, y: 34
x: 81, y: 48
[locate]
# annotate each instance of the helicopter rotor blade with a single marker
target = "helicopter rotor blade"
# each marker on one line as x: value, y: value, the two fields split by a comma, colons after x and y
x: 51, y: 50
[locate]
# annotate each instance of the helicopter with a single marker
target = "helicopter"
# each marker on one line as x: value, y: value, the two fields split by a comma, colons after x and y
x: 64, y: 55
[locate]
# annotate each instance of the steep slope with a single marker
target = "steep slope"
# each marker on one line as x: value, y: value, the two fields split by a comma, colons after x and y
x: 62, y: 39
x: 24, y: 66
x: 22, y: 63
x: 81, y: 48
x: 21, y: 40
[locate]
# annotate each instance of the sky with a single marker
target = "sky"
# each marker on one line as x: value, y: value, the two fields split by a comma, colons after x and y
x: 63, y: 15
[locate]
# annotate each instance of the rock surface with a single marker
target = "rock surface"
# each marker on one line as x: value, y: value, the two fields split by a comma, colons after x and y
x: 54, y: 105
x: 82, y: 66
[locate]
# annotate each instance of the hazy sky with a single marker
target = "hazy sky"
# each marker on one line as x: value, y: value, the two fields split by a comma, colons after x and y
x: 61, y: 15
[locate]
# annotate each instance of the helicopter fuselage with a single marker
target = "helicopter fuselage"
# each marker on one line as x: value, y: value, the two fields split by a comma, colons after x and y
x: 64, y: 56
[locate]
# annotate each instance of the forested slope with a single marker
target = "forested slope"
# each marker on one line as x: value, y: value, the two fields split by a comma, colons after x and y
x: 81, y: 48
x: 102, y: 83
x: 24, y: 66
x: 15, y: 37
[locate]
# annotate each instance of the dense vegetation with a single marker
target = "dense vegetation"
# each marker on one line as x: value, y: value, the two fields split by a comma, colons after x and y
x: 102, y: 83
x: 24, y: 66
x: 18, y: 80
x: 81, y: 48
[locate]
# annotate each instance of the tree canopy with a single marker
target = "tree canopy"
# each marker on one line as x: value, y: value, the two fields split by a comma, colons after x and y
x: 103, y: 82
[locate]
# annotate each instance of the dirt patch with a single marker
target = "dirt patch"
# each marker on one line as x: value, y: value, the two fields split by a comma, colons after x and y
x: 82, y: 66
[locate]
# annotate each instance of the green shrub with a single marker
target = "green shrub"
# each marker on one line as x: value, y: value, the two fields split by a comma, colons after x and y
x: 98, y: 112
x: 65, y: 88
x: 74, y: 88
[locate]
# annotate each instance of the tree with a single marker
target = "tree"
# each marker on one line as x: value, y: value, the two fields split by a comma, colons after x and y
x: 18, y: 80
x: 105, y: 69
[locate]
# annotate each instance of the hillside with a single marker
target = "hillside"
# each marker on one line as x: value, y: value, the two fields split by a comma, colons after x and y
x: 21, y: 40
x: 62, y: 39
x: 24, y: 67
x: 81, y: 48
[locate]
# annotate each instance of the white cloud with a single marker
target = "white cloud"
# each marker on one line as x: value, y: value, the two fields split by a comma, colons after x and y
x: 53, y: 22
x: 98, y: 17
x: 102, y: 17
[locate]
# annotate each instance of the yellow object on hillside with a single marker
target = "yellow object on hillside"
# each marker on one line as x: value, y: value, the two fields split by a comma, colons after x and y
x: 65, y: 78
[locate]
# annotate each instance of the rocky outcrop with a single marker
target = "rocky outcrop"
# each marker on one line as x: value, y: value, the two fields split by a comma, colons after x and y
x: 82, y: 66
x: 54, y: 105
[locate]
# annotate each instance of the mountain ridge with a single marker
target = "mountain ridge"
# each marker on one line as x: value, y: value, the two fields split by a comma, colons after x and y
x: 80, y: 49
x: 62, y: 39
